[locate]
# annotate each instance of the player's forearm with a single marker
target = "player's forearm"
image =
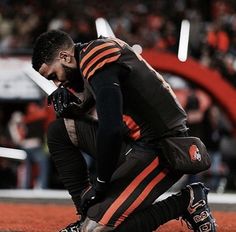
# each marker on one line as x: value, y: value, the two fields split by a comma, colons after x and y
x: 109, y: 135
x: 108, y: 149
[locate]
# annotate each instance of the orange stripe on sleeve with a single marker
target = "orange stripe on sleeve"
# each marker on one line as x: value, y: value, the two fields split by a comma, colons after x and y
x: 134, y: 128
x: 99, y: 56
x: 86, y: 57
x: 142, y: 196
x: 128, y: 191
x: 106, y: 61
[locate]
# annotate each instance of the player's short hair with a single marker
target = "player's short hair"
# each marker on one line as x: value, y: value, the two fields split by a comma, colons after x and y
x: 48, y: 45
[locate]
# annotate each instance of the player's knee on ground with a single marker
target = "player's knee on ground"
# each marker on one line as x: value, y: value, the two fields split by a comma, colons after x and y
x: 92, y: 226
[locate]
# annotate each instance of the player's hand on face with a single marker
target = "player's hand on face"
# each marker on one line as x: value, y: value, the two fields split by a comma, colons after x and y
x: 65, y: 103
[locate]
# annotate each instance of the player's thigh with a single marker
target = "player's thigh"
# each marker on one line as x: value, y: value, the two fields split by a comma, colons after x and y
x: 86, y: 129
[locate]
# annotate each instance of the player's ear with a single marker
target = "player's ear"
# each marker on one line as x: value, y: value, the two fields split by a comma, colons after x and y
x: 65, y: 56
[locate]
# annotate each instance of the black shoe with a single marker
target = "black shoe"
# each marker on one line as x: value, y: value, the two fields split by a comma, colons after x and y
x: 198, y: 214
x: 73, y: 227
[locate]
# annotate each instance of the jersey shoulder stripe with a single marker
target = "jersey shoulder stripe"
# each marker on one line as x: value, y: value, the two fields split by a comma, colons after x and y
x: 100, y: 60
x: 97, y: 54
x: 92, y: 49
x: 101, y: 64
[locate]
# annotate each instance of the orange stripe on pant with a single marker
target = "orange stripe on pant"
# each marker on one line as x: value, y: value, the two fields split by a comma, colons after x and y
x: 142, y: 196
x: 128, y: 191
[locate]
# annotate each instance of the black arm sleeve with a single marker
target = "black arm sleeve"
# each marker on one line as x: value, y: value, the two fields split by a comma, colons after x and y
x: 109, y: 104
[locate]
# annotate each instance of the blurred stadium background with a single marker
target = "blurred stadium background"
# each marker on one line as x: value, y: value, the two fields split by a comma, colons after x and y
x: 205, y: 83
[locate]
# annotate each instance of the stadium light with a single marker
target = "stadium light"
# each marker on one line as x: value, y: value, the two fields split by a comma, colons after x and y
x: 12, y: 153
x: 183, y: 40
x: 103, y: 28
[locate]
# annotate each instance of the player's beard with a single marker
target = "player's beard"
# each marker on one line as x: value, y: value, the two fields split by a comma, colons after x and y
x: 74, y: 78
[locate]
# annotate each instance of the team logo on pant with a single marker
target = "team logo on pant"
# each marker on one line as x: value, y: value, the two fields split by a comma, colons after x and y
x: 194, y: 153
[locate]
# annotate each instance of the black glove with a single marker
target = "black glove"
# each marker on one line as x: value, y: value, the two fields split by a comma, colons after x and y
x: 65, y: 103
x: 93, y: 195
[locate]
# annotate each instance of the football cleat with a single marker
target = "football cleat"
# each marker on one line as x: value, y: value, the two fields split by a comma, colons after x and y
x: 73, y: 227
x: 198, y: 214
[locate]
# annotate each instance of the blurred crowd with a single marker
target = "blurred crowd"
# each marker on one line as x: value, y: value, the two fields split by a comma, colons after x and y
x: 154, y: 24
x: 25, y: 129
